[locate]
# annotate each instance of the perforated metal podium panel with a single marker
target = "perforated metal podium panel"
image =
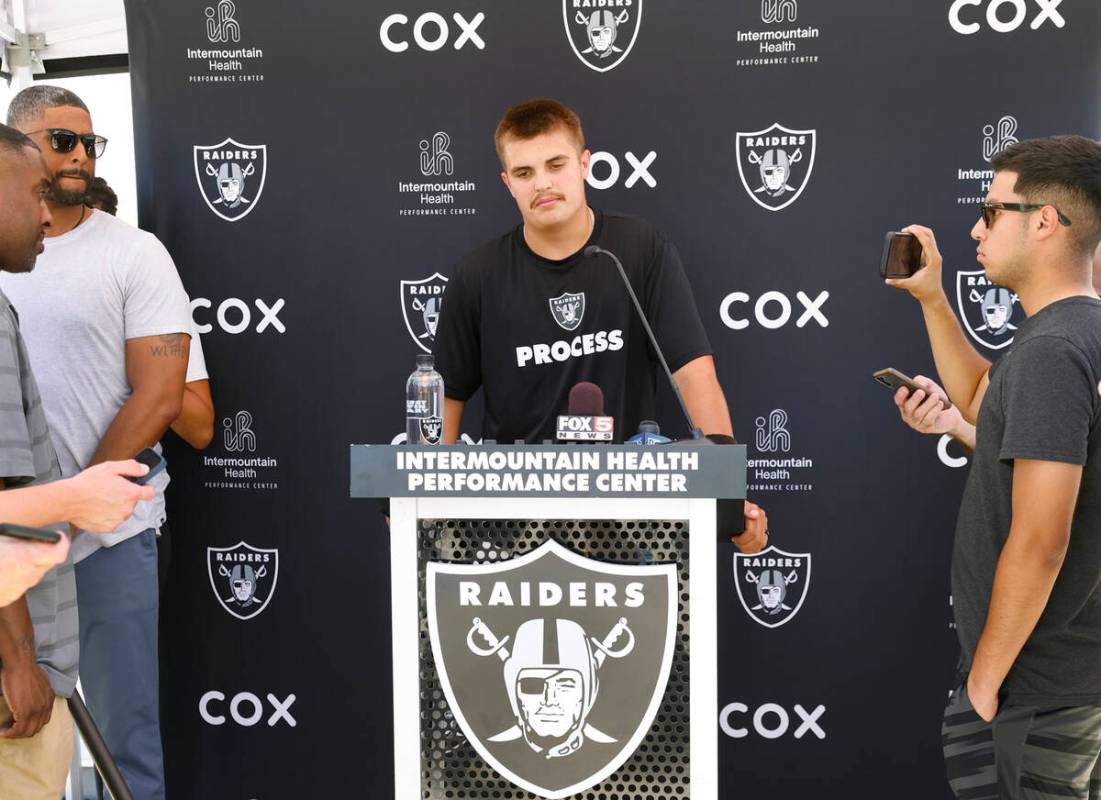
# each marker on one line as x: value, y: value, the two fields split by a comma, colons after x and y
x: 451, y: 769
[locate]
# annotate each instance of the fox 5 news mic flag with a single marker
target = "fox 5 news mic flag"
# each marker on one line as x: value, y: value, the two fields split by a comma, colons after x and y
x: 316, y: 174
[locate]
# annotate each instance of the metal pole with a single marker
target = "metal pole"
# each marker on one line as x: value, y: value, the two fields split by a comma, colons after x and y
x: 105, y: 763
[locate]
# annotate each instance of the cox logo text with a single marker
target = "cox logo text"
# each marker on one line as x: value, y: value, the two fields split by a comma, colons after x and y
x: 1003, y: 22
x: 235, y: 316
x: 771, y: 721
x: 430, y: 31
x: 640, y: 170
x: 773, y: 310
x: 246, y: 709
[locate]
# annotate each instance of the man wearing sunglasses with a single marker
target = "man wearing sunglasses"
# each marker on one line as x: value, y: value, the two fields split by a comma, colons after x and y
x: 1026, y: 566
x: 107, y: 323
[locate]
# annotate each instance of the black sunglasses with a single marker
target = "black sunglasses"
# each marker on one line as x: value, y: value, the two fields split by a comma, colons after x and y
x: 989, y: 210
x: 63, y: 140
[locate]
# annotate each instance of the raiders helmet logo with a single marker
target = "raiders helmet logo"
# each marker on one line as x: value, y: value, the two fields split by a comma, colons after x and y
x: 568, y: 310
x: 772, y: 584
x: 431, y: 429
x: 775, y: 164
x: 554, y: 665
x: 243, y: 577
x: 421, y: 302
x: 602, y: 33
x: 987, y: 310
x: 231, y: 177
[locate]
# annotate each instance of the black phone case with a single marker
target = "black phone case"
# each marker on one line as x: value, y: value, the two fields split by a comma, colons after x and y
x: 885, y: 258
x: 43, y: 535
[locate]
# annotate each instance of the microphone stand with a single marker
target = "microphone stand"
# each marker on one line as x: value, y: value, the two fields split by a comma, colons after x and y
x: 591, y: 250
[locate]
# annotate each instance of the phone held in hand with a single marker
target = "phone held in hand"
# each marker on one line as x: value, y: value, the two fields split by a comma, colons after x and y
x: 893, y: 380
x: 901, y: 255
x: 29, y: 534
x: 151, y: 459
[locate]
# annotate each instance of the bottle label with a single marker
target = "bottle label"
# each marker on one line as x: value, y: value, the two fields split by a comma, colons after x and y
x: 416, y: 408
x: 431, y: 429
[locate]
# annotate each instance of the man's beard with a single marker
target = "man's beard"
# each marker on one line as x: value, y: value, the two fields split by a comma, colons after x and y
x: 67, y: 197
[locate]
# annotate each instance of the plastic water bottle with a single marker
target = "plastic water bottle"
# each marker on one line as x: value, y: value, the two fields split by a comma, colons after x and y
x: 424, y: 404
x: 648, y: 433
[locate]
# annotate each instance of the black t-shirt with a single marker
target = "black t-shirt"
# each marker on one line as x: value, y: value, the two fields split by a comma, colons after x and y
x: 526, y: 329
x: 1042, y: 404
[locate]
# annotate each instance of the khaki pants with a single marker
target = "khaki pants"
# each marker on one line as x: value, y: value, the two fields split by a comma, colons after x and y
x: 36, y: 768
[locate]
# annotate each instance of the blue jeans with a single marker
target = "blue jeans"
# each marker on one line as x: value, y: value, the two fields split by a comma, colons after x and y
x: 117, y: 596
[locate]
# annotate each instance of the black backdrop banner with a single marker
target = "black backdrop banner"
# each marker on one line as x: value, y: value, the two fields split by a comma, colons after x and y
x: 317, y: 169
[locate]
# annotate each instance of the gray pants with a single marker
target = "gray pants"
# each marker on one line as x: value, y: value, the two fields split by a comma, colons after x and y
x: 1026, y: 753
x: 117, y: 595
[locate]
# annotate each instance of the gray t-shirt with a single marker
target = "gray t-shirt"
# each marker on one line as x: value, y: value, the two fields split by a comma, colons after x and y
x: 1042, y: 404
x: 93, y: 288
x: 27, y: 457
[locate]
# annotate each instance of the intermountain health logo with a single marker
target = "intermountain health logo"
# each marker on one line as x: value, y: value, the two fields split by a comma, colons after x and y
x: 231, y: 177
x: 243, y: 466
x: 224, y: 60
x: 777, y: 466
x: 553, y: 664
x: 243, y: 577
x: 440, y: 197
x: 602, y: 32
x: 974, y: 182
x: 783, y: 42
x: 775, y: 164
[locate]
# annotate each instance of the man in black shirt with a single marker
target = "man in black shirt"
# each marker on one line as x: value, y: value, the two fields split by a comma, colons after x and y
x: 528, y: 316
x: 1026, y: 566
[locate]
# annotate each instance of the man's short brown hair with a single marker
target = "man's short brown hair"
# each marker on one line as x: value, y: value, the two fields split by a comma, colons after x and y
x: 534, y: 118
x: 1064, y: 171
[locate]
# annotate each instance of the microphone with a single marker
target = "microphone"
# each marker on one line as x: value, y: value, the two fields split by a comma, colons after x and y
x: 585, y: 421
x: 593, y: 250
x: 648, y: 433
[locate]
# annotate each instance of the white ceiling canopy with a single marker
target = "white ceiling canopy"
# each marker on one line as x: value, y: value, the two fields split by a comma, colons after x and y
x: 43, y: 30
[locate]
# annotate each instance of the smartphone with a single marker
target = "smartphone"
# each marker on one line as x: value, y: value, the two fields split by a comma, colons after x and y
x: 29, y: 534
x: 893, y: 379
x: 151, y: 459
x: 901, y: 255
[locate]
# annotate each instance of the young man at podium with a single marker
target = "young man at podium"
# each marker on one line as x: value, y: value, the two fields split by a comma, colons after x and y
x: 531, y: 314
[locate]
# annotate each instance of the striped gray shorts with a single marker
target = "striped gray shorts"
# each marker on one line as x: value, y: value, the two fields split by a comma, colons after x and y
x: 1026, y: 753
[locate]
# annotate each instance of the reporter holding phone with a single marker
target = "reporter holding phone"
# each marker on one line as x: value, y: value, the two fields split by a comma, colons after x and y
x: 1026, y: 571
x: 97, y: 499
x: 38, y: 663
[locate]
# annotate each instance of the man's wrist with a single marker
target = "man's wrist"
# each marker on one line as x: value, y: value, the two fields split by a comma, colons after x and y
x: 65, y: 499
x: 935, y: 301
x: 21, y: 658
x: 980, y: 679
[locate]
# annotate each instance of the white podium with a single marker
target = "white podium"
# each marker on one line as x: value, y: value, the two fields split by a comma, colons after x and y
x: 547, y: 639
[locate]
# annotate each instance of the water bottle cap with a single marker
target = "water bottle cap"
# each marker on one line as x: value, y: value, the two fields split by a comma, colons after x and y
x: 648, y: 426
x: 425, y: 361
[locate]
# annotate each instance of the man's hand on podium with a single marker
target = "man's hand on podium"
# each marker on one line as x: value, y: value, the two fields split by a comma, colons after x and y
x: 755, y: 536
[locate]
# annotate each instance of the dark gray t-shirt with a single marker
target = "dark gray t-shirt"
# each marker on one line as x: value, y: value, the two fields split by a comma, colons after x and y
x: 1042, y: 404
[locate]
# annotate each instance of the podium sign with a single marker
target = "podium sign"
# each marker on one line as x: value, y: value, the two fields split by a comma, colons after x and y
x: 541, y: 615
x: 553, y: 664
x: 713, y: 471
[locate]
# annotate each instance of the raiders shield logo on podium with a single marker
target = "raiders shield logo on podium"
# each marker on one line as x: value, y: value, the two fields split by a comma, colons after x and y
x: 554, y: 665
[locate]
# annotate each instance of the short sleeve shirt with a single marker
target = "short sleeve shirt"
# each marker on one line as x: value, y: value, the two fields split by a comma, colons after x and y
x: 94, y: 288
x: 526, y: 329
x: 27, y: 458
x: 1042, y: 404
x: 196, y: 360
